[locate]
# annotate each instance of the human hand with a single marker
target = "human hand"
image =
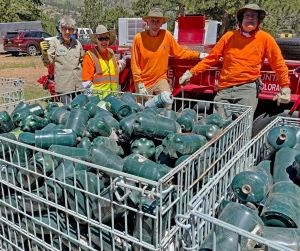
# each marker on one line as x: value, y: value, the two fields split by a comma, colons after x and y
x: 142, y: 89
x: 185, y: 77
x: 44, y: 46
x: 284, y: 96
x: 203, y: 55
x: 122, y: 64
x: 86, y: 84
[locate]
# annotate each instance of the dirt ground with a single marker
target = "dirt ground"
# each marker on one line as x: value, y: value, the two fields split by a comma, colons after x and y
x: 26, y: 67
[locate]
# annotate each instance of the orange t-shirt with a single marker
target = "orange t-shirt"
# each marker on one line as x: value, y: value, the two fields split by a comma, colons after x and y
x: 150, y: 55
x: 243, y: 58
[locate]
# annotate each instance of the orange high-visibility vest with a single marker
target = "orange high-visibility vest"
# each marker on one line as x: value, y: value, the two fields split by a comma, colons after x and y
x: 106, y: 72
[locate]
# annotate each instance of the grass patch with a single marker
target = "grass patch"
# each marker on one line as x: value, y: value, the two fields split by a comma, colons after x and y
x: 22, y: 62
x: 34, y: 92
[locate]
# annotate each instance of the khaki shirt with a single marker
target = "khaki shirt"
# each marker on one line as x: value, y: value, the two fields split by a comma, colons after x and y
x: 67, y: 64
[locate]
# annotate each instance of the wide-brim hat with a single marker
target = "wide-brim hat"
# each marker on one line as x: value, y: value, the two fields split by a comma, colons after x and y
x: 101, y: 29
x: 157, y: 13
x: 261, y: 12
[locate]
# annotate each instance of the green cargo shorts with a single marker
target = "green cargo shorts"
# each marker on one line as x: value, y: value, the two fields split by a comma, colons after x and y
x: 245, y: 94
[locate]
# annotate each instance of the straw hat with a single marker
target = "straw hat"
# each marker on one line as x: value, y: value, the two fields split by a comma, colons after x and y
x: 101, y: 29
x: 251, y: 6
x: 156, y: 12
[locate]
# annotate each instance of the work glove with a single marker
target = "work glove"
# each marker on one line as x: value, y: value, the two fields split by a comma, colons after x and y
x: 142, y: 89
x: 86, y: 84
x: 203, y: 55
x: 44, y: 46
x: 185, y: 77
x: 122, y: 64
x: 284, y: 96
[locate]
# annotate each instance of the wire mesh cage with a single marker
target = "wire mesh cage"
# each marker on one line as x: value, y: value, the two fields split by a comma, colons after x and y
x: 201, y: 227
x: 52, y: 199
x: 11, y: 90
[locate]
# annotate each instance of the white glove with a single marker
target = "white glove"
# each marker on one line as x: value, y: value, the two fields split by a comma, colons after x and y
x: 185, y: 77
x: 122, y: 64
x: 141, y: 89
x: 86, y: 84
x: 203, y: 55
x: 284, y: 96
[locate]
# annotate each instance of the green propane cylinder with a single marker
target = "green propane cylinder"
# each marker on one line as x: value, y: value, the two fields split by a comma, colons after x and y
x: 85, y: 142
x: 6, y: 146
x: 177, y: 144
x: 22, y: 154
x: 81, y: 200
x: 296, y: 168
x: 59, y: 115
x: 209, y: 131
x: 129, y: 99
x: 282, y: 136
x: 140, y: 166
x: 53, y: 188
x: 77, y: 121
x: 126, y: 125
x: 143, y: 146
x: 108, y: 118
x: 40, y: 164
x: 283, y: 164
x: 45, y: 138
x: 23, y: 110
x: 102, y: 208
x: 181, y: 159
x: 103, y: 156
x: 118, y: 107
x: 215, y: 119
x: 170, y: 114
x: 97, y: 127
x: 50, y: 126
x: 240, y: 216
x: 41, y: 224
x: 186, y: 119
x: 109, y: 143
x: 282, y: 206
x: 75, y: 152
x: 289, y: 237
x: 33, y: 122
x: 253, y: 185
x: 149, y: 125
x: 91, y: 108
x: 6, y: 123
x: 79, y: 101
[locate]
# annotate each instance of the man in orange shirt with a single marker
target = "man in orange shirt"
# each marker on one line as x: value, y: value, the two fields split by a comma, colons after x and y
x: 150, y: 54
x: 244, y: 51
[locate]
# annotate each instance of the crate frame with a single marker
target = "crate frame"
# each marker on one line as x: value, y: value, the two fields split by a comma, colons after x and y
x: 226, y: 145
x: 204, y: 207
x: 12, y: 90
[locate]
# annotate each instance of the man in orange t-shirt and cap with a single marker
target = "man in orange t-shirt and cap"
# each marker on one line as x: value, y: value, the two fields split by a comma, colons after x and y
x: 150, y: 54
x: 244, y: 51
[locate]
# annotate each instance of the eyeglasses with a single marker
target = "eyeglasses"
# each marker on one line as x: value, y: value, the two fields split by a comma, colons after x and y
x: 251, y: 15
x: 103, y: 38
x: 67, y: 28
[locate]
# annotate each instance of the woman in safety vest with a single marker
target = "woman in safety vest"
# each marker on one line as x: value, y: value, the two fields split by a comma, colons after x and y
x: 100, y: 67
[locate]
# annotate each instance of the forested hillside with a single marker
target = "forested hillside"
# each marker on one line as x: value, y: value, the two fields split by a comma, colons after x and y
x: 281, y: 14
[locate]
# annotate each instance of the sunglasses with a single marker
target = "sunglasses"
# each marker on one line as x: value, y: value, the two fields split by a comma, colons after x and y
x: 103, y: 38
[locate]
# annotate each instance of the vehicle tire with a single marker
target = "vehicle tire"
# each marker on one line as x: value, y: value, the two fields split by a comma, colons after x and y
x: 290, y: 47
x: 32, y: 50
x: 15, y: 53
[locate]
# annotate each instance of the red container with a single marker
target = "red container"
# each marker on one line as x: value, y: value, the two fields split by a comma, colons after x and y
x: 191, y: 29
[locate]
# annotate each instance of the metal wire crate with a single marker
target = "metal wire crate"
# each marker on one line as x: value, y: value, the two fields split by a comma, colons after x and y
x: 47, y: 211
x: 11, y: 90
x: 205, y: 206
